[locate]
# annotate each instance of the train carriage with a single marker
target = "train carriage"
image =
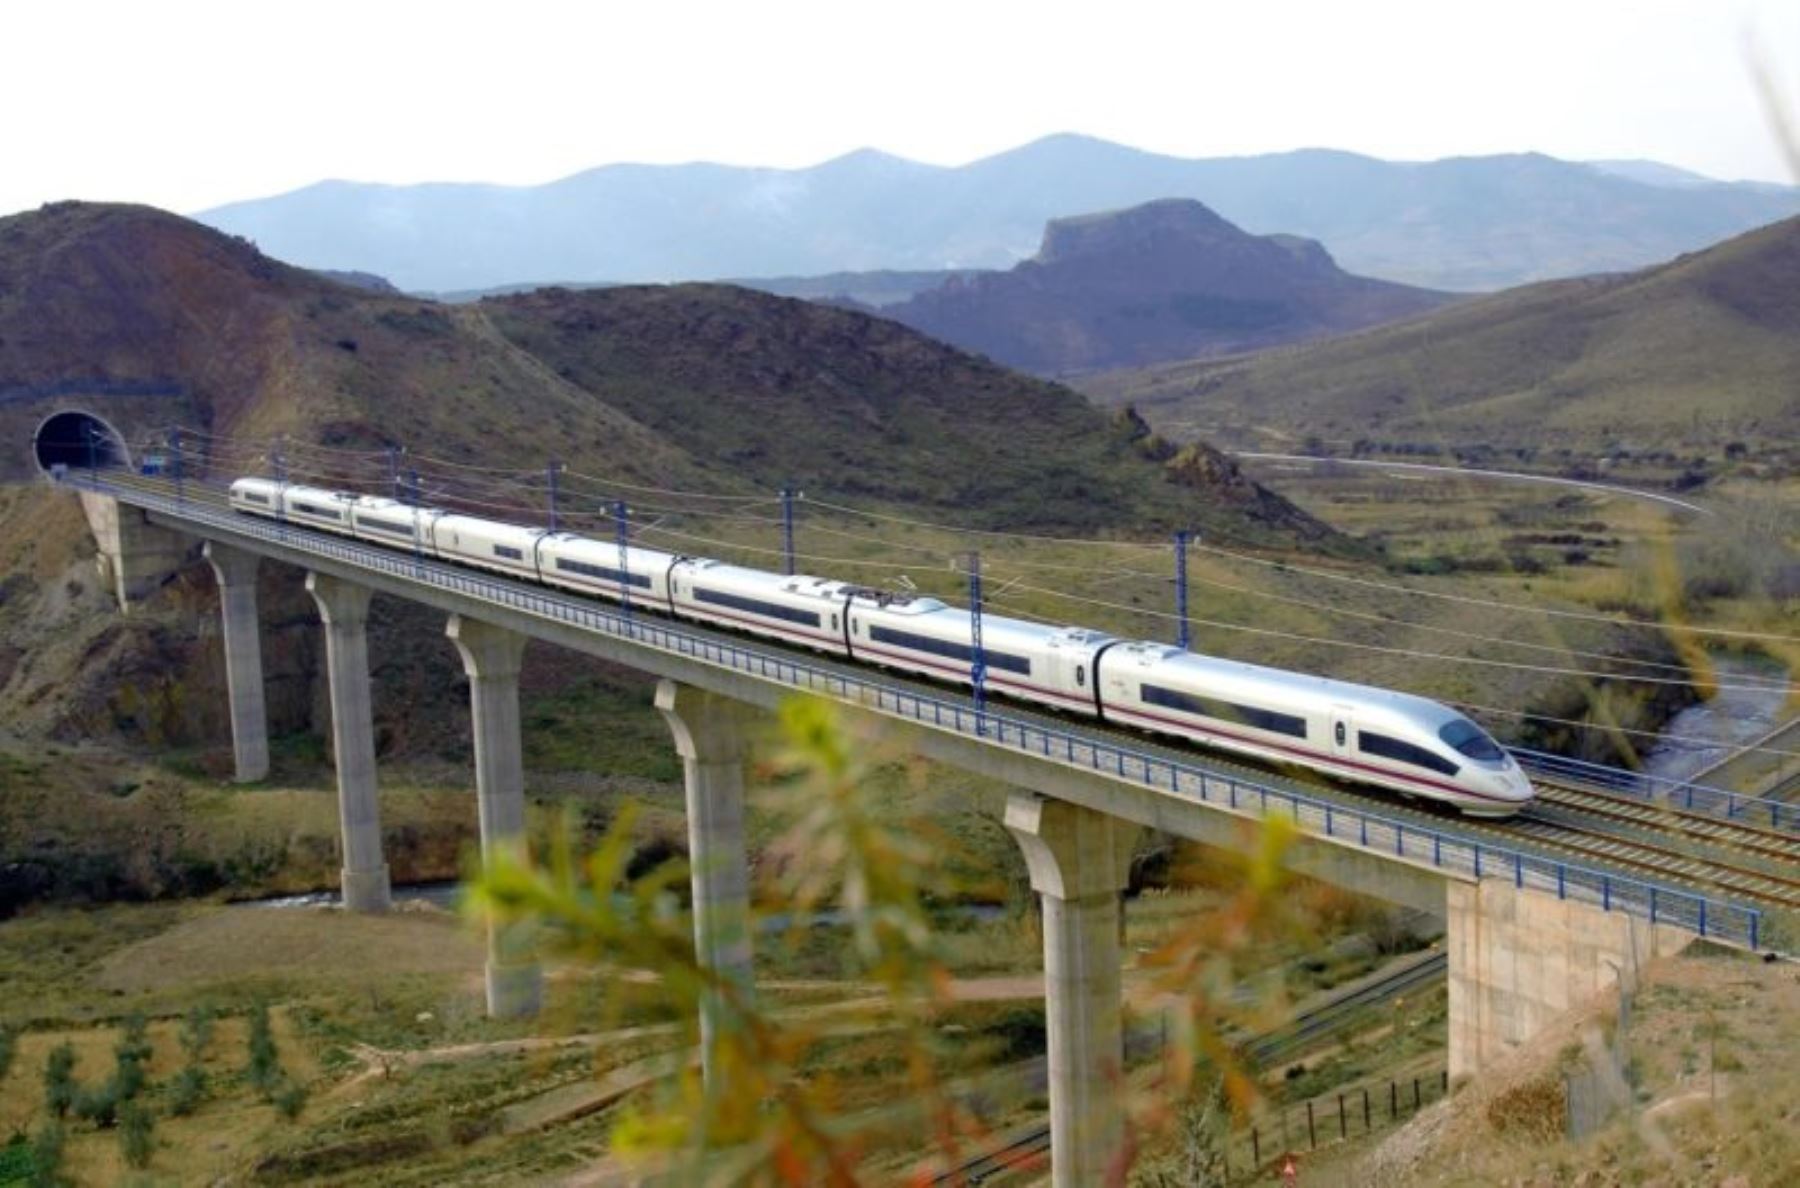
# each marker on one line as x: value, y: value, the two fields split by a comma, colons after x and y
x: 594, y: 567
x: 808, y: 611
x: 1040, y: 663
x: 487, y: 544
x: 1356, y: 732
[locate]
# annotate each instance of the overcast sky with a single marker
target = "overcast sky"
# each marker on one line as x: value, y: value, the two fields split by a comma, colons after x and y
x: 187, y: 104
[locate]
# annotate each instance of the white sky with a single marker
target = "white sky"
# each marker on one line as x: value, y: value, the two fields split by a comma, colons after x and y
x: 188, y: 103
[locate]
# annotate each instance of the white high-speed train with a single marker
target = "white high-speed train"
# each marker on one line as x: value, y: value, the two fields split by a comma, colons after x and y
x: 1353, y: 732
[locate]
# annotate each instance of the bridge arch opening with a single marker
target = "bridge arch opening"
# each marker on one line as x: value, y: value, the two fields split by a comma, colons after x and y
x: 78, y: 440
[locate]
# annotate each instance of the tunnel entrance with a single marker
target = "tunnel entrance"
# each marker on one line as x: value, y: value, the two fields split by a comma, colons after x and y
x: 78, y: 440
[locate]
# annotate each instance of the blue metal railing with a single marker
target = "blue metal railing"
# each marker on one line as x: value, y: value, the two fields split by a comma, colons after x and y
x: 1704, y: 915
x: 1699, y: 798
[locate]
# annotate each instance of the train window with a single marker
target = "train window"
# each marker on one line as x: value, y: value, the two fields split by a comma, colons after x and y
x: 773, y: 610
x: 1403, y: 752
x: 834, y: 622
x: 389, y: 526
x: 1081, y: 676
x: 1225, y: 711
x: 1340, y: 734
x: 950, y: 649
x: 510, y: 553
x: 603, y: 572
x: 1471, y: 740
x: 253, y: 497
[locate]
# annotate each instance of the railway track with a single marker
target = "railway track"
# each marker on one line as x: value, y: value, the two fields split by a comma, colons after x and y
x: 1558, y: 835
x: 1772, y: 844
x: 1316, y: 1023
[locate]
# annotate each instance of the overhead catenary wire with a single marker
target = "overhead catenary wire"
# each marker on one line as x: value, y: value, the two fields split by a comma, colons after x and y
x: 1232, y: 555
x: 1773, y: 684
x: 1385, y: 649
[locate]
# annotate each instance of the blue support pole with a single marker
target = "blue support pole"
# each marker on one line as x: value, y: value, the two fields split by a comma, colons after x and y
x: 1181, y: 589
x: 977, y: 657
x: 393, y: 456
x: 180, y: 469
x: 418, y: 500
x: 415, y: 491
x: 279, y: 460
x: 622, y: 528
x: 555, y: 473
x: 787, y: 527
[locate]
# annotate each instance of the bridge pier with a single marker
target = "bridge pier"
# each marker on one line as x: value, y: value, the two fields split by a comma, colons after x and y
x: 1080, y: 860
x: 345, y: 609
x: 491, y: 657
x: 710, y: 736
x: 236, y: 573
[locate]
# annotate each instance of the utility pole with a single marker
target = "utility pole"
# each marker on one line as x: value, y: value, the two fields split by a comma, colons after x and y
x: 1181, y: 588
x: 977, y: 657
x: 788, y: 495
x: 555, y: 473
x: 393, y: 459
x: 180, y: 467
x: 622, y: 528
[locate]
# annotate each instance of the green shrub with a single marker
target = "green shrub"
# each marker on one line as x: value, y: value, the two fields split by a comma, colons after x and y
x: 196, y: 1033
x: 137, y: 1134
x: 59, y: 1080
x: 46, y: 1154
x: 264, y: 1069
x: 99, y: 1106
x: 290, y: 1099
x: 187, y: 1091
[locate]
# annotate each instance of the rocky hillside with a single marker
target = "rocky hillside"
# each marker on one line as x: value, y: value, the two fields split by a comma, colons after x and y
x: 1696, y: 354
x: 153, y: 320
x: 1166, y: 280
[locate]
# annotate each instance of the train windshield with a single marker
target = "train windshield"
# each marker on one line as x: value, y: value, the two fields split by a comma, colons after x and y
x: 1469, y: 739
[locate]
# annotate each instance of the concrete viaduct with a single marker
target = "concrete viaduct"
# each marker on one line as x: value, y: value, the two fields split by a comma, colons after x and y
x: 1527, y: 937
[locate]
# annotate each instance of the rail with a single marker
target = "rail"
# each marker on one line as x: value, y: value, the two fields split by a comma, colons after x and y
x: 1706, y: 916
x: 1698, y: 798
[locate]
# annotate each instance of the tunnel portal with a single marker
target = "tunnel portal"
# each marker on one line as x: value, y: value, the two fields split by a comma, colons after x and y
x: 78, y: 441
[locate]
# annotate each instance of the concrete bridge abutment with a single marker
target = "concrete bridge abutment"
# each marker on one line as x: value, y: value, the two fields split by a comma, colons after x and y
x: 1080, y: 863
x: 242, y: 633
x: 136, y: 557
x: 711, y: 736
x: 492, y: 657
x: 345, y: 609
x: 1519, y: 959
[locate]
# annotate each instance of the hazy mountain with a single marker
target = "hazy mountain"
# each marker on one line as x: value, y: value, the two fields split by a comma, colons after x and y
x: 1690, y: 355
x: 1166, y: 280
x: 1461, y: 223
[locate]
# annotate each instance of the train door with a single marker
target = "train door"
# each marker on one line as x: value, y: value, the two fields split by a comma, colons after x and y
x: 1343, y: 729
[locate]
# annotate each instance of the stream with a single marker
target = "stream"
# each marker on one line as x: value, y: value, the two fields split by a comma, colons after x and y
x: 1708, y: 731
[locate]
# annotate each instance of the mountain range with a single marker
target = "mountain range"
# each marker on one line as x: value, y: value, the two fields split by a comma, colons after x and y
x: 1699, y: 354
x: 1468, y: 223
x: 1166, y: 280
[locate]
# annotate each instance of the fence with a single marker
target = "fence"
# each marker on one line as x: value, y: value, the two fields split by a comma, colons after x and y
x: 1105, y: 755
x: 1353, y: 1113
